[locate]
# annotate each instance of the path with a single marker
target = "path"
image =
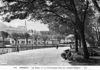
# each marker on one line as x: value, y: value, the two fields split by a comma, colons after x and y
x: 47, y: 56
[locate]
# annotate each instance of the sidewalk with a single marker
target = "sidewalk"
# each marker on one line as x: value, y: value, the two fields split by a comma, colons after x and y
x: 42, y: 57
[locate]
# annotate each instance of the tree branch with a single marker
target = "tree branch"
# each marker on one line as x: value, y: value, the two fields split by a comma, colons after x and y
x: 96, y: 5
x: 85, y: 12
x: 73, y: 6
x: 69, y: 7
x: 75, y: 24
x: 54, y: 13
x: 72, y: 2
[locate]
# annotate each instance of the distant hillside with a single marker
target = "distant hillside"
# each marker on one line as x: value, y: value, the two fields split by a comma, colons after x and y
x: 9, y: 29
x: 3, y: 27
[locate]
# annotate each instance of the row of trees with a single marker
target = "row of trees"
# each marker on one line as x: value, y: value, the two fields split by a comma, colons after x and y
x: 26, y: 36
x: 65, y: 15
x: 15, y: 36
x: 4, y: 35
x: 36, y: 37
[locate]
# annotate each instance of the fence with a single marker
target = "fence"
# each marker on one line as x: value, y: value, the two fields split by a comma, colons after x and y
x: 4, y: 50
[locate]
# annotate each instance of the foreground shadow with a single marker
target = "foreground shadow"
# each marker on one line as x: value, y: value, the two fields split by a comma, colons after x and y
x: 92, y: 61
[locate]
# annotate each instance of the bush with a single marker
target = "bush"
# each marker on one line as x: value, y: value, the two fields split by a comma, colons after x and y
x: 66, y: 51
x: 67, y: 55
x: 63, y: 55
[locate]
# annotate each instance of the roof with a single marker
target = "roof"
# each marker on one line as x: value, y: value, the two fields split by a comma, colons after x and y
x: 70, y: 36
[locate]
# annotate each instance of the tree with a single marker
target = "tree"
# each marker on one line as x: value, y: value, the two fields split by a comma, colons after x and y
x: 61, y: 10
x: 36, y: 36
x: 96, y: 27
x: 32, y: 37
x: 90, y: 34
x: 59, y: 37
x: 26, y: 36
x: 96, y: 4
x: 15, y: 36
x: 4, y: 35
x: 65, y: 28
x: 45, y: 38
x: 92, y: 31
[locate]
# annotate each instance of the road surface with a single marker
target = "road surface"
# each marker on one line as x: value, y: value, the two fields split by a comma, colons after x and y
x: 40, y: 57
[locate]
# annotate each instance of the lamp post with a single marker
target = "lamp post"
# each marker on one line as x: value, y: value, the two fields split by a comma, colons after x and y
x: 32, y: 38
x: 25, y: 26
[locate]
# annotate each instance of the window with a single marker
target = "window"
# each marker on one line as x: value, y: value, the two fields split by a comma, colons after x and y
x: 12, y: 41
x: 38, y: 42
x: 29, y: 42
x: 18, y: 42
x: 23, y: 42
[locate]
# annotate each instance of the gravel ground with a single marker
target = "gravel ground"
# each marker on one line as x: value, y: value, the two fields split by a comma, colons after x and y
x: 36, y: 57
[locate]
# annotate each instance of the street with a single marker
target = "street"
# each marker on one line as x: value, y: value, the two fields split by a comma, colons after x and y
x: 42, y: 57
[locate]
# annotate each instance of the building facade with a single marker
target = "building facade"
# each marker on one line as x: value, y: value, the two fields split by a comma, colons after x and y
x: 32, y: 42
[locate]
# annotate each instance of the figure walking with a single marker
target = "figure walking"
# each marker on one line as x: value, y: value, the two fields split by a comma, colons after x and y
x: 57, y: 47
x: 17, y: 48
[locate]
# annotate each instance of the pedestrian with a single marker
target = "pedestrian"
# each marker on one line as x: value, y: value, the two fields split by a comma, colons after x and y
x: 17, y: 48
x: 57, y: 47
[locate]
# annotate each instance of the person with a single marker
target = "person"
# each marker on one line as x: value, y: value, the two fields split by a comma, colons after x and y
x: 17, y: 48
x: 57, y: 47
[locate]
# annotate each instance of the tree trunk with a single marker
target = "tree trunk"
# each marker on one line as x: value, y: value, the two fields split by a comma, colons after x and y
x: 84, y: 46
x: 44, y: 43
x: 26, y: 41
x: 36, y: 42
x: 3, y: 42
x: 81, y: 31
x: 80, y: 43
x: 76, y: 40
x: 17, y: 47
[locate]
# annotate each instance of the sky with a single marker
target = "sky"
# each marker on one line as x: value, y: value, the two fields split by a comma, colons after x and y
x: 35, y: 25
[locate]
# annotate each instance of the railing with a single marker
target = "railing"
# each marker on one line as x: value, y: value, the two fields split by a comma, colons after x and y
x: 4, y: 50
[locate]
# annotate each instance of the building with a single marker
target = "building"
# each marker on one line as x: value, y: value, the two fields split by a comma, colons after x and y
x: 32, y: 42
x: 22, y: 41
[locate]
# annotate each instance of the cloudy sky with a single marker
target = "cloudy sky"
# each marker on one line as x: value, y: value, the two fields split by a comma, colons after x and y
x: 35, y: 25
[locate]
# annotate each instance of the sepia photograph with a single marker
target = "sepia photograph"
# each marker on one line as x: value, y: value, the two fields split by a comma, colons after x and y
x: 49, y: 34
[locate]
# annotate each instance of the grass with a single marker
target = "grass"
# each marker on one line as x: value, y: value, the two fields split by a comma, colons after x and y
x: 77, y: 59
